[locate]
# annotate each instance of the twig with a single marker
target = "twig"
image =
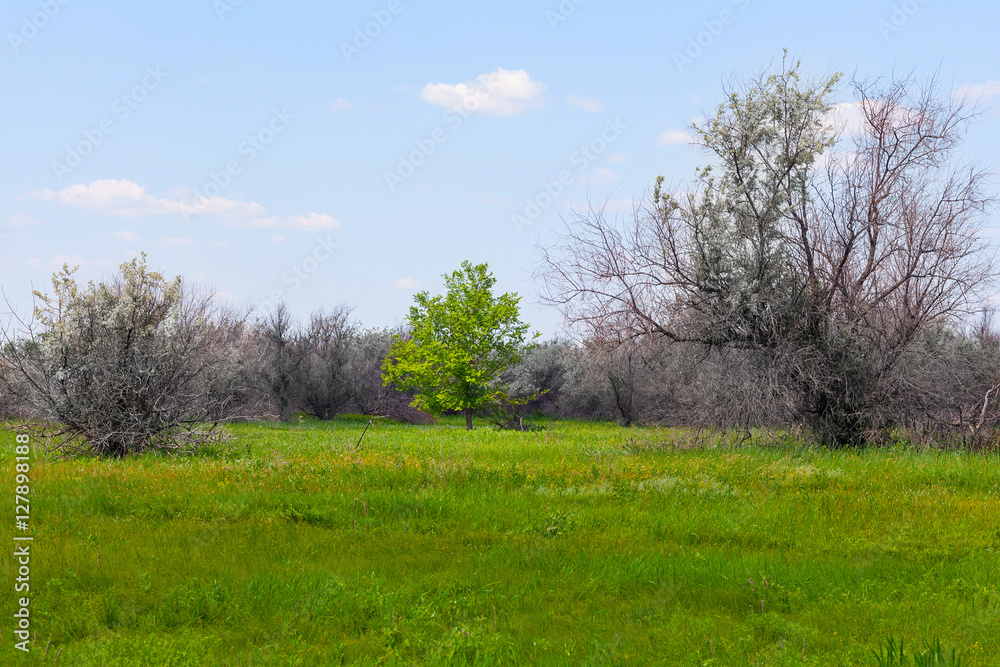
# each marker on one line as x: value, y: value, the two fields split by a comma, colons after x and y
x: 375, y: 415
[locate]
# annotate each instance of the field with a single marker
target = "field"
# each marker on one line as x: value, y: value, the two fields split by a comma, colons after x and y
x: 579, y: 544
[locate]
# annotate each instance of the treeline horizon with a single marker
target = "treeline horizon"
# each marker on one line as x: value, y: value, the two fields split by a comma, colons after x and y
x: 271, y: 366
x: 817, y: 278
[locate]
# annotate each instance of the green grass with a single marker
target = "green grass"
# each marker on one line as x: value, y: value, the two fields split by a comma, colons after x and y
x: 573, y: 545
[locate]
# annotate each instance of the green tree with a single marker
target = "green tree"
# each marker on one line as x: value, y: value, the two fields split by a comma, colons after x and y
x: 459, y: 344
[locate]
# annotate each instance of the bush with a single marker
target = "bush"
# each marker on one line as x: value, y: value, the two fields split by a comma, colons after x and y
x: 133, y: 364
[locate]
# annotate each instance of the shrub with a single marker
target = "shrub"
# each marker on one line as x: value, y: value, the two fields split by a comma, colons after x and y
x: 133, y: 364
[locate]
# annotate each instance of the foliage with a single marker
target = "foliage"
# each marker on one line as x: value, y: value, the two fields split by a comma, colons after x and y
x: 815, y: 255
x: 130, y: 364
x: 458, y: 344
x: 506, y: 413
x: 931, y: 654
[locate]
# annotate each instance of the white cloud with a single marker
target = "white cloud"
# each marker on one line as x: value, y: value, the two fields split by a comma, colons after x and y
x: 499, y: 93
x: 130, y: 200
x: 174, y: 242
x: 118, y: 198
x: 339, y: 105
x: 252, y: 215
x: 19, y: 220
x: 406, y: 284
x: 847, y: 118
x: 604, y: 175
x: 55, y: 262
x: 978, y: 91
x: 675, y: 138
x: 835, y: 156
x: 617, y: 157
x: 232, y: 209
x: 228, y: 297
x: 126, y: 236
x: 587, y: 104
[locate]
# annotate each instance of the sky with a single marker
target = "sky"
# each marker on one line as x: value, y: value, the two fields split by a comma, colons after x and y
x: 320, y: 153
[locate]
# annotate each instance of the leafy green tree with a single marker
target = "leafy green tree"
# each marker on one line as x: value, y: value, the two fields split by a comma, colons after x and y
x: 459, y: 344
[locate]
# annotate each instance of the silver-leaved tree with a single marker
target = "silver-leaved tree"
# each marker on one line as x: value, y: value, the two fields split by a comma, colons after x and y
x: 813, y: 249
x: 132, y: 364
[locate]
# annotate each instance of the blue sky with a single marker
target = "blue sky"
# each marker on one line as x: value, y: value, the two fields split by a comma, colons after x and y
x: 275, y: 150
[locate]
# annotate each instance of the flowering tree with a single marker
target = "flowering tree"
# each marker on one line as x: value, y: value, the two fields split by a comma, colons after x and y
x: 128, y: 365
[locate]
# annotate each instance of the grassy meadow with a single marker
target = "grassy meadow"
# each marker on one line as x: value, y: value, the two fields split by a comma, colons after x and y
x: 582, y: 544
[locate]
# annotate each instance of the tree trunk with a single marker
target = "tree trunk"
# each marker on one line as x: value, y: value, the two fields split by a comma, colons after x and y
x: 468, y: 419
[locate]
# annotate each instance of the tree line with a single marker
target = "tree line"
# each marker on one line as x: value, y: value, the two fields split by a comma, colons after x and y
x: 825, y: 280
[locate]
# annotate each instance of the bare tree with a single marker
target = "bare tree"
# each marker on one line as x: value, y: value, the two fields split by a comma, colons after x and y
x: 368, y: 393
x: 827, y: 251
x: 947, y: 387
x: 328, y: 366
x: 283, y: 355
x: 326, y: 380
x: 11, y: 403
